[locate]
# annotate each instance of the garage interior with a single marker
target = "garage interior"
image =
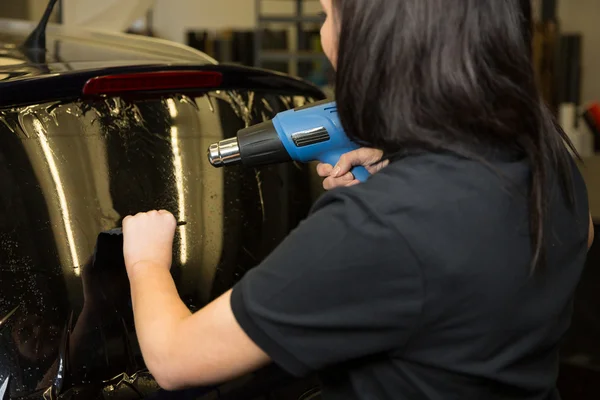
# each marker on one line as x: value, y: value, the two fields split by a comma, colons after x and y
x: 283, y: 36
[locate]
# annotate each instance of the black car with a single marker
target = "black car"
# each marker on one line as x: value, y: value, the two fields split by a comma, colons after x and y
x: 96, y: 126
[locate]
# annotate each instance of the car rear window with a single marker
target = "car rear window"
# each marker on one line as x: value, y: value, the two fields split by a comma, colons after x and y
x: 70, y: 170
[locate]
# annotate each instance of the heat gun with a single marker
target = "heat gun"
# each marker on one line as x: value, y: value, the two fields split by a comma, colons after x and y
x: 309, y: 133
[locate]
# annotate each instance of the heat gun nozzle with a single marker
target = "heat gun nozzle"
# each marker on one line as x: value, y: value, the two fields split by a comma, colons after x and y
x: 225, y: 152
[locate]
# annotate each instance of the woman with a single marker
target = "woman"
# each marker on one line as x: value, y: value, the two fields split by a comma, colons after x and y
x: 448, y: 274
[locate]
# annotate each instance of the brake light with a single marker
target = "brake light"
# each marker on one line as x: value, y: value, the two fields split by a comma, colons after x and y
x: 152, y: 81
x: 595, y: 111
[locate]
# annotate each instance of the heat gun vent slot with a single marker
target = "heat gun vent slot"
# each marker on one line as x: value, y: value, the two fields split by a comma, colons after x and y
x: 307, y: 138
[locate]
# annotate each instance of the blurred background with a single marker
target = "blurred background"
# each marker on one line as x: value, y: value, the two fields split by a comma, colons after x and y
x: 283, y: 35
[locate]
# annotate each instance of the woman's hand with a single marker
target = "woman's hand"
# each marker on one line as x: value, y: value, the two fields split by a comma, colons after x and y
x: 340, y: 175
x: 148, y: 238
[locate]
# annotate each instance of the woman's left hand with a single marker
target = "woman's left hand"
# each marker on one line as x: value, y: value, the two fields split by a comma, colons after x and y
x: 148, y: 239
x: 340, y: 175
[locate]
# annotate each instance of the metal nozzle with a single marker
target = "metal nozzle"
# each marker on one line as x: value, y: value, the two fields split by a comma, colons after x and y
x: 225, y: 152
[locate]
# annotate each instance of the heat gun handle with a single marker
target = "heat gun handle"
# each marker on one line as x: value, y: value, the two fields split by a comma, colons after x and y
x: 359, y: 172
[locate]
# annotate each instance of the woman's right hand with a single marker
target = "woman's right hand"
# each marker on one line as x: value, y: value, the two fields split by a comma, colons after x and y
x: 340, y: 175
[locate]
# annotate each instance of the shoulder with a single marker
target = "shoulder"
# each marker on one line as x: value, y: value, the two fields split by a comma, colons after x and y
x: 579, y: 184
x: 426, y: 181
x: 579, y: 202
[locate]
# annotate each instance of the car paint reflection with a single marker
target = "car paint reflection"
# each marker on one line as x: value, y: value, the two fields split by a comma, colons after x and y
x: 68, y: 172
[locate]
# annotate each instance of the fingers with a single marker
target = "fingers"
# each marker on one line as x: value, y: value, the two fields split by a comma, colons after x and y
x: 363, y: 156
x: 344, y: 180
x: 324, y: 170
x: 151, y: 212
x: 148, y: 237
x: 340, y: 175
x: 345, y: 164
x: 164, y: 215
x: 374, y: 168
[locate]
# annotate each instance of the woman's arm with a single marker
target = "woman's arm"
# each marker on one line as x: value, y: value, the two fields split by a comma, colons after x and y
x: 299, y: 308
x: 180, y: 349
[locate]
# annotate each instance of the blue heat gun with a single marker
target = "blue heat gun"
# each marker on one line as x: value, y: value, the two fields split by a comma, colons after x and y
x: 309, y: 133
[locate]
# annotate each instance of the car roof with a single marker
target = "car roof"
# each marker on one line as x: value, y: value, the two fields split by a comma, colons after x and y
x: 76, y: 49
x: 75, y: 55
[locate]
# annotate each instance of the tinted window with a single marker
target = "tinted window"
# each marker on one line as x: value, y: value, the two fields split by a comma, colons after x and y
x: 70, y: 171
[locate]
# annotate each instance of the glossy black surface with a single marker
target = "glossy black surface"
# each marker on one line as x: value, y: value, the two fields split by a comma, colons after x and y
x: 72, y: 168
x: 71, y: 171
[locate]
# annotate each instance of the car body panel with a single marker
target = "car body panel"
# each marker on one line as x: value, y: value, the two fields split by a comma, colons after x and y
x: 74, y: 44
x: 76, y: 55
x: 70, y: 171
x: 72, y: 168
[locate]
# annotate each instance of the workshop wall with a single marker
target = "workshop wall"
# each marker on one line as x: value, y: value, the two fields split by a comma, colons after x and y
x: 13, y: 9
x: 112, y: 15
x: 172, y: 22
x: 24, y: 9
x: 581, y: 16
x: 36, y: 9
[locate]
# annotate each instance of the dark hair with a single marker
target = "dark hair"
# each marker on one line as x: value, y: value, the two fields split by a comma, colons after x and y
x: 441, y: 75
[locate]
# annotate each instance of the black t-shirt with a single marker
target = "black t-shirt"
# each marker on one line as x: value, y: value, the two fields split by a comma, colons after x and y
x: 417, y: 285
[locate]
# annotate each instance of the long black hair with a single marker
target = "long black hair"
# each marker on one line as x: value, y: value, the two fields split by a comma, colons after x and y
x: 440, y: 75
